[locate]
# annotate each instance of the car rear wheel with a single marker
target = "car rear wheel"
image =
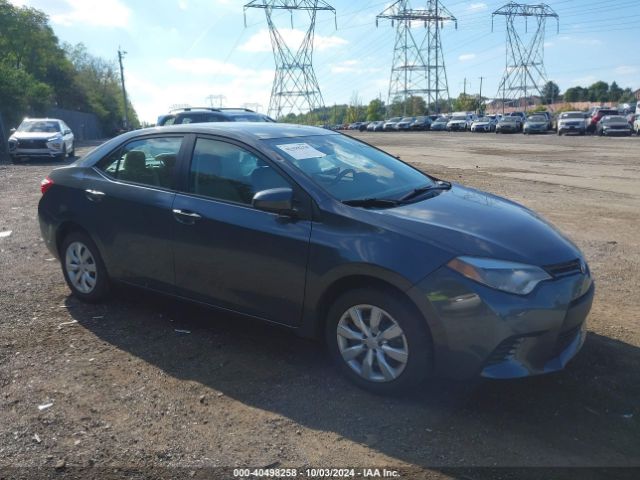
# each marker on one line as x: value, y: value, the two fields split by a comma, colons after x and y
x: 83, y: 268
x: 378, y: 340
x: 72, y: 151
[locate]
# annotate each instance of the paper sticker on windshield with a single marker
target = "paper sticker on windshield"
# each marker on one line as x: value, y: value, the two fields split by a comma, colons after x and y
x: 301, y: 151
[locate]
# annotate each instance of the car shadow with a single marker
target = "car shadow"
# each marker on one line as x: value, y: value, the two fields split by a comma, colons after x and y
x: 586, y: 415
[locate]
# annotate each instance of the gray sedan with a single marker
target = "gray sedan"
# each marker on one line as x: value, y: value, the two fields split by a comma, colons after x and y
x: 403, y: 275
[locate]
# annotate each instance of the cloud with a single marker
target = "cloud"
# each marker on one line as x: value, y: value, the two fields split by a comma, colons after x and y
x: 202, y: 77
x: 95, y: 13
x: 580, y: 41
x: 352, y: 66
x: 626, y: 70
x: 465, y: 57
x: 477, y: 7
x: 183, y: 4
x: 261, y: 41
x: 198, y: 67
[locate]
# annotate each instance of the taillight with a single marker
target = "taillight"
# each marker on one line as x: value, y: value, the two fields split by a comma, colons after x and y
x: 45, y: 185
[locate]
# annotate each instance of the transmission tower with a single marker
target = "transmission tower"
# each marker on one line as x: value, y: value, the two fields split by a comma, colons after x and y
x: 524, y: 73
x: 418, y: 66
x: 295, y: 87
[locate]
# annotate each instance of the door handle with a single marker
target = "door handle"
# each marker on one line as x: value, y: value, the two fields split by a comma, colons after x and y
x: 94, y: 195
x: 185, y: 216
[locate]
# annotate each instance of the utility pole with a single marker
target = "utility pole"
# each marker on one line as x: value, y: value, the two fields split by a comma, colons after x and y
x: 464, y: 92
x: 121, y: 54
x: 480, y: 109
x: 418, y: 64
x: 219, y: 98
x: 524, y: 73
x: 295, y: 87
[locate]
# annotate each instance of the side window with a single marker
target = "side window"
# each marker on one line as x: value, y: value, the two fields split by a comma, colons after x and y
x: 226, y: 172
x: 150, y: 161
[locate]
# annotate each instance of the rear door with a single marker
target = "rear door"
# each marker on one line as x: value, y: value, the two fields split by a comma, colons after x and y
x: 129, y: 204
x: 226, y: 252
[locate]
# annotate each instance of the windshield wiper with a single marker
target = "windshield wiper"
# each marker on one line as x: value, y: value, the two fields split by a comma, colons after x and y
x: 439, y: 185
x: 371, y: 202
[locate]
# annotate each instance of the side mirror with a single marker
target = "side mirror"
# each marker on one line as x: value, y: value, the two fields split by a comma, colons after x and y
x: 67, y: 132
x: 274, y: 200
x: 12, y: 131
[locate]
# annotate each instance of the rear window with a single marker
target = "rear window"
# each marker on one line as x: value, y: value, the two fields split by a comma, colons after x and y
x: 572, y: 115
x: 200, y: 118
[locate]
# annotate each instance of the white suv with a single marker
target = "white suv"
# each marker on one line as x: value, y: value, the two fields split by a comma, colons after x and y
x: 41, y: 137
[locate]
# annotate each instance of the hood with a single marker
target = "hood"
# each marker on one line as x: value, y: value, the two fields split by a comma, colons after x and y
x: 481, y: 124
x: 616, y: 124
x: 465, y: 221
x: 34, y: 135
x: 537, y: 124
x: 457, y: 121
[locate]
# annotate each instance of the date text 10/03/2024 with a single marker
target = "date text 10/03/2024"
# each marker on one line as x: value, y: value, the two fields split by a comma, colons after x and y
x: 315, y: 473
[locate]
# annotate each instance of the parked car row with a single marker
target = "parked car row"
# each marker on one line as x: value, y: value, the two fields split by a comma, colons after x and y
x: 601, y: 121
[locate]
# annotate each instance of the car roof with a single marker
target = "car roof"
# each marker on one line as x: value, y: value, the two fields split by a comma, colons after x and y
x: 240, y: 130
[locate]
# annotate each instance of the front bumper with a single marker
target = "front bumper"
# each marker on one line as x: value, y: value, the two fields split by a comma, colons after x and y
x: 616, y: 131
x: 477, y: 330
x: 566, y: 128
x: 456, y: 126
x: 480, y: 128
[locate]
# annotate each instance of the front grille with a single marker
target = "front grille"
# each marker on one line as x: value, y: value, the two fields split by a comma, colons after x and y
x: 504, y: 351
x: 32, y: 143
x: 564, y: 269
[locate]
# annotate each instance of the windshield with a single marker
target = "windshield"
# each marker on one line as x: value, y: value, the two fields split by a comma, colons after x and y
x: 537, y: 118
x: 407, y: 119
x: 509, y: 120
x: 441, y: 120
x: 394, y: 119
x: 348, y: 169
x: 39, y: 126
x: 484, y: 119
x: 572, y: 115
x: 458, y: 117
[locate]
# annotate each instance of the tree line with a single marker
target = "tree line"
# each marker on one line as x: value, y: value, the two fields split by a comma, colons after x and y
x: 376, y: 109
x: 37, y: 72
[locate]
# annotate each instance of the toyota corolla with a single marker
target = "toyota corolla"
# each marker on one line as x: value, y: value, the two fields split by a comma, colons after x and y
x: 404, y: 276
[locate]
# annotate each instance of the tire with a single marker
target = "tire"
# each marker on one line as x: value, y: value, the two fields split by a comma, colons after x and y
x: 63, y: 155
x: 13, y: 158
x: 72, y: 152
x: 79, y: 253
x: 559, y: 133
x: 411, y: 350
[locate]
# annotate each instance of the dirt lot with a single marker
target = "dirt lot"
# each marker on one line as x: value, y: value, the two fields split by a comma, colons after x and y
x: 129, y: 391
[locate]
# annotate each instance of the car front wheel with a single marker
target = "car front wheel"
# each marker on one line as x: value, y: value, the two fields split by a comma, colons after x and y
x: 378, y: 341
x: 83, y: 268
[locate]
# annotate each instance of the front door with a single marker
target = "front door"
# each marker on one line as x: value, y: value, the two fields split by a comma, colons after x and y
x: 226, y: 252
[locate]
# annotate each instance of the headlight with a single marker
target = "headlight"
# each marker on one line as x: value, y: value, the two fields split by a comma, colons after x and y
x: 511, y: 277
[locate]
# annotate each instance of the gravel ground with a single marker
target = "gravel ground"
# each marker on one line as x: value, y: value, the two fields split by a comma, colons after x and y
x: 128, y: 391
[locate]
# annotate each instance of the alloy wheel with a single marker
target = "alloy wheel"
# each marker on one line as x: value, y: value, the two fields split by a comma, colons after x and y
x: 81, y: 267
x: 372, y: 343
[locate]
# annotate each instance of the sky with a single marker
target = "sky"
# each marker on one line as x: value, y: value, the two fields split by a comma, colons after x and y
x: 183, y: 51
